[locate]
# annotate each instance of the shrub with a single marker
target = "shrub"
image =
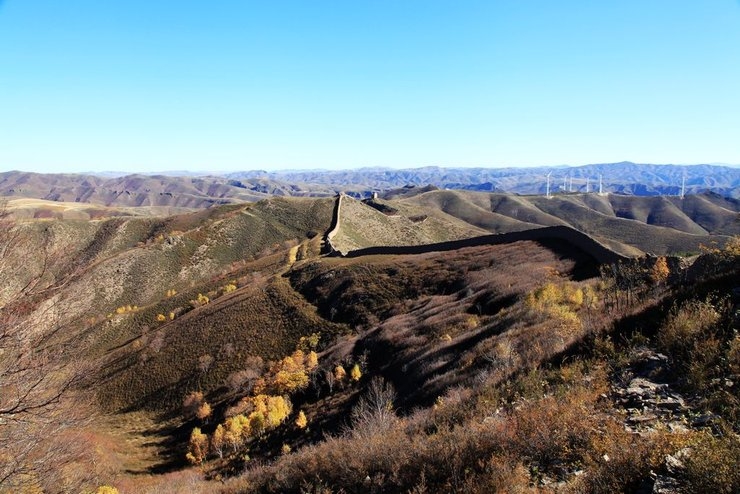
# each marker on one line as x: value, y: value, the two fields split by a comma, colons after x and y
x: 374, y: 411
x: 301, y: 421
x: 339, y: 373
x: 355, y: 373
x: 690, y: 338
x: 194, y: 405
x: 106, y: 489
x: 712, y: 465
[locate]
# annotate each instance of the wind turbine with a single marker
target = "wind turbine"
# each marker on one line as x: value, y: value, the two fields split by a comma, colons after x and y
x: 547, y: 194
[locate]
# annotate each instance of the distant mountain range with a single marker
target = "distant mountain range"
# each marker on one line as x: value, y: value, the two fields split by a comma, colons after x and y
x: 192, y: 192
x: 622, y: 178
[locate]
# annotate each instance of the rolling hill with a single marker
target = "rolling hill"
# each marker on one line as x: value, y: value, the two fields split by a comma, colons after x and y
x: 195, y: 191
x: 628, y: 224
x: 469, y: 368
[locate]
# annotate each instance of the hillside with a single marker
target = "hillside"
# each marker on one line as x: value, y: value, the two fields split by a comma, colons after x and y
x: 145, y: 190
x: 218, y: 351
x: 101, y: 265
x: 628, y: 224
x: 185, y: 190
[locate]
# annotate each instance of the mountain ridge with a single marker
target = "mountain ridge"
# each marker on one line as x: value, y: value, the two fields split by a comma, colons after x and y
x: 205, y: 190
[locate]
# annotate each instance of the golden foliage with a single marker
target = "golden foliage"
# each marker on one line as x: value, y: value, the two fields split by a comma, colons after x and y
x: 218, y: 440
x: 204, y: 411
x: 161, y: 318
x: 732, y: 246
x: 124, y: 309
x: 312, y: 360
x: 236, y: 431
x: 197, y: 447
x: 659, y: 272
x: 200, y: 300
x: 560, y: 302
x: 269, y: 411
x: 355, y: 373
x: 339, y: 373
x: 289, y: 374
x: 106, y: 489
x: 301, y: 421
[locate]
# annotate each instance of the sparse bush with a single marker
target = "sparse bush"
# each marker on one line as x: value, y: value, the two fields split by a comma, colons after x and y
x: 690, y: 337
x: 200, y: 301
x: 308, y: 343
x: 339, y: 373
x: 194, y: 405
x: 242, y: 382
x: 733, y: 355
x: 106, y: 489
x: 374, y: 412
x: 712, y: 464
x: 558, y: 302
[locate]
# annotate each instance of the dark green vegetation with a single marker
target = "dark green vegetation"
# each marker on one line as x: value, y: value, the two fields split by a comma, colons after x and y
x: 502, y: 368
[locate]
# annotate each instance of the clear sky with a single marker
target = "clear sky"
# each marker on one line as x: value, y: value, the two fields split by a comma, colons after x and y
x: 154, y: 85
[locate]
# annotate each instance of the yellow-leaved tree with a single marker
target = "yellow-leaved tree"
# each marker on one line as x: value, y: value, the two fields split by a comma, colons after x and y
x: 237, y: 431
x: 289, y: 374
x: 197, y: 447
x: 660, y: 271
x: 355, y: 373
x: 339, y: 373
x: 301, y: 421
x: 218, y: 440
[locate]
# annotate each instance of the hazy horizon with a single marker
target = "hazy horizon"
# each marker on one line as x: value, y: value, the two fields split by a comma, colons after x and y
x: 203, y: 172
x: 228, y: 86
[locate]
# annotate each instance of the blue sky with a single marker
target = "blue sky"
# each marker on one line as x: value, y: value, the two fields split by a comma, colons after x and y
x: 154, y: 85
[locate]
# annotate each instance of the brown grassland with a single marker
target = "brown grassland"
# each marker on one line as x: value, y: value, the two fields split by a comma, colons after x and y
x: 218, y: 351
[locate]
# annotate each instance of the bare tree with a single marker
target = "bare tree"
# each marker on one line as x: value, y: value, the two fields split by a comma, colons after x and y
x: 374, y: 412
x: 38, y: 404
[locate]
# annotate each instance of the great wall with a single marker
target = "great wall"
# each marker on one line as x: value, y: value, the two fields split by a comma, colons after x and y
x: 580, y: 240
